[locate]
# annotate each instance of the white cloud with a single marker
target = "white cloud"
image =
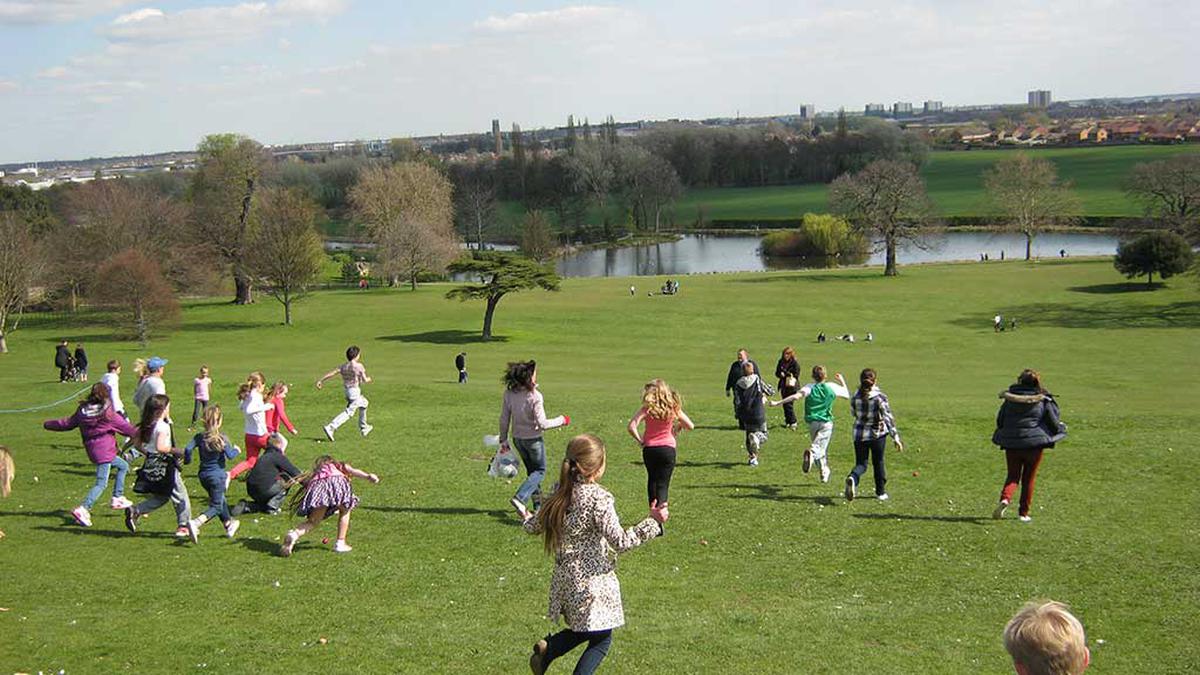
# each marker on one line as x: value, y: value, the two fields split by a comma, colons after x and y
x: 551, y: 20
x: 54, y: 73
x: 8, y: 85
x: 55, y: 11
x: 242, y: 20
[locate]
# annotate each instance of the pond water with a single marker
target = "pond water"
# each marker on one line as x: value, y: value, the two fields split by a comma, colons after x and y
x: 700, y: 254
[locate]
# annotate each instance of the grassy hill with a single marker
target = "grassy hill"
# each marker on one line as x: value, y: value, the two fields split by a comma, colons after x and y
x: 764, y: 569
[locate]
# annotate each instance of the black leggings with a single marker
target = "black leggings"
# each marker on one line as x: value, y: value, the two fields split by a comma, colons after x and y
x: 565, y: 640
x: 660, y: 464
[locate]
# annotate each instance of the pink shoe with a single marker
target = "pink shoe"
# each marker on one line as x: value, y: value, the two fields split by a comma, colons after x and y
x: 119, y: 503
x: 82, y: 516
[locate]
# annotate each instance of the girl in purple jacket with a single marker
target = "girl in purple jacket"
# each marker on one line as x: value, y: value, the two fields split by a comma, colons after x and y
x: 98, y: 424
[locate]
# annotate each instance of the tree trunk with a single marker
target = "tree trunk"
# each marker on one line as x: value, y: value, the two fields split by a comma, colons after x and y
x: 1028, y: 246
x: 243, y: 294
x: 1150, y: 280
x: 889, y: 269
x: 478, y: 231
x: 74, y: 298
x: 287, y: 312
x: 412, y: 280
x: 492, y: 301
x: 3, y: 343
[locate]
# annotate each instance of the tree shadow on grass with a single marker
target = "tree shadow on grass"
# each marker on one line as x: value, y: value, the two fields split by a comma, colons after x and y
x: 813, y: 275
x: 216, y: 326
x: 1051, y: 315
x: 264, y: 545
x: 444, y: 337
x: 973, y: 520
x: 773, y: 493
x: 1109, y: 289
x: 496, y: 514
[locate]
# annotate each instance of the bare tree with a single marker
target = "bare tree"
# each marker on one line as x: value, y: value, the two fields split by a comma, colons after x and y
x: 649, y: 184
x: 223, y: 187
x: 133, y: 283
x: 20, y: 265
x: 886, y: 201
x: 475, y: 198
x: 286, y: 252
x: 1169, y: 190
x: 537, y: 239
x: 591, y: 171
x: 408, y: 210
x: 1026, y: 191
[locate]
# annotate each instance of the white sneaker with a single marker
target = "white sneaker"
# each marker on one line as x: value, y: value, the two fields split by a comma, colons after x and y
x: 1025, y: 519
x: 753, y: 460
x: 120, y: 503
x: 328, y: 432
x: 825, y: 472
x: 366, y: 430
x: 522, y: 512
x: 851, y: 489
x: 232, y: 528
x: 82, y: 516
x: 340, y: 546
x: 807, y: 461
x: 289, y: 540
x: 1000, y: 509
x: 883, y: 497
x: 193, y: 530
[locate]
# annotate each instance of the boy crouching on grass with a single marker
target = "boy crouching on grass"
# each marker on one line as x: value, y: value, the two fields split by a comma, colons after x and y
x: 1045, y: 639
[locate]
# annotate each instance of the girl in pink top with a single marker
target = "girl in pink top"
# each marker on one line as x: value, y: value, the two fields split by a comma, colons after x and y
x: 662, y: 412
x: 200, y: 387
x: 277, y: 416
x: 524, y: 409
x: 326, y: 491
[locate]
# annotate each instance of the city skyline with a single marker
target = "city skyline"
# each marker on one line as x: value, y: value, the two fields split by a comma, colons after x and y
x: 113, y: 77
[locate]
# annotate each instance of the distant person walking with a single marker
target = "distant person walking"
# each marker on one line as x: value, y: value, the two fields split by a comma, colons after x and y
x: 997, y: 323
x: 735, y: 374
x: 873, y: 423
x: 62, y: 361
x: 787, y: 371
x: 662, y: 412
x: 1026, y: 425
x: 354, y: 376
x: 200, y: 386
x: 81, y: 363
x: 460, y: 362
x: 524, y: 409
x: 749, y: 394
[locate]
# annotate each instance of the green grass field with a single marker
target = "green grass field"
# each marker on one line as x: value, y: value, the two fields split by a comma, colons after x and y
x: 954, y: 181
x: 763, y: 570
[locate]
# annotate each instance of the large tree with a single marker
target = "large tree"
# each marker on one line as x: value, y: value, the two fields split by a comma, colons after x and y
x: 20, y: 265
x: 1169, y: 190
x: 408, y: 210
x: 474, y: 196
x: 649, y: 184
x: 499, y: 275
x: 1164, y: 253
x: 592, y: 173
x: 886, y: 201
x: 1028, y: 194
x: 286, y: 252
x: 537, y: 237
x: 228, y: 175
x: 133, y: 283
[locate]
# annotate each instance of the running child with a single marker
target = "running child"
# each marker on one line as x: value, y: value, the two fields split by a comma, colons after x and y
x: 524, y: 408
x: 354, y: 376
x: 112, y: 380
x: 250, y: 393
x: 326, y: 490
x: 98, y: 425
x: 662, y: 411
x: 748, y: 395
x: 200, y: 387
x: 818, y: 396
x: 277, y: 415
x: 873, y: 423
x: 213, y: 448
x: 154, y: 437
x: 581, y: 530
x: 7, y: 471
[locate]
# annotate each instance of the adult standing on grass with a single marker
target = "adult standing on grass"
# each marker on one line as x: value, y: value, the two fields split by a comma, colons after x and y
x: 1026, y: 425
x: 460, y: 362
x: 735, y: 374
x: 787, y: 371
x: 62, y: 361
x: 818, y: 397
x: 152, y: 383
x: 81, y: 363
x: 524, y: 409
x: 354, y: 376
x: 581, y: 529
x: 662, y: 411
x: 873, y: 423
x: 154, y: 436
x: 98, y: 425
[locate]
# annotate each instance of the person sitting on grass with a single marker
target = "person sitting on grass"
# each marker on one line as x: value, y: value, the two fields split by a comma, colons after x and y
x: 1046, y: 639
x: 268, y: 482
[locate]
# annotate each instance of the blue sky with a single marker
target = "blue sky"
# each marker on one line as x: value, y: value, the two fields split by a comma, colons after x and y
x: 83, y: 78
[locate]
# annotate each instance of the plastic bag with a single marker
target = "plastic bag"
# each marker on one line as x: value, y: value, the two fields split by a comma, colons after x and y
x: 505, y: 463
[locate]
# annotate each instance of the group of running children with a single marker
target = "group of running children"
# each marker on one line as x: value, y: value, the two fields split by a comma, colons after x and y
x: 578, y: 521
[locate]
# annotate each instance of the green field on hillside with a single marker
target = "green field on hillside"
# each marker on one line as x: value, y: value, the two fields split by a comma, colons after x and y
x: 764, y: 569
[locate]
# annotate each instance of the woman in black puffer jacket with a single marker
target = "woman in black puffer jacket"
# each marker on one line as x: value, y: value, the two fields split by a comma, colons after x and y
x: 1026, y: 425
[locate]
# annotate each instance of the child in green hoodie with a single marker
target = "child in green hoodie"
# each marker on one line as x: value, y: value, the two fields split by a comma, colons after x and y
x: 818, y: 397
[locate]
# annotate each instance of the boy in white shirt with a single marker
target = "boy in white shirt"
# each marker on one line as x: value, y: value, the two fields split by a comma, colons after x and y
x: 354, y: 375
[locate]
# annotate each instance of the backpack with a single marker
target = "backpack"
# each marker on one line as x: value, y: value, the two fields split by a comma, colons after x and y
x: 157, y: 475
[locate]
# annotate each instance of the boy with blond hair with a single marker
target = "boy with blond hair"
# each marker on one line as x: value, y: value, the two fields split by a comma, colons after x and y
x: 1046, y: 639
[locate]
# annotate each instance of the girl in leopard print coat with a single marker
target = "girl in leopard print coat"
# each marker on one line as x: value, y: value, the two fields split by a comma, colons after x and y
x: 580, y: 527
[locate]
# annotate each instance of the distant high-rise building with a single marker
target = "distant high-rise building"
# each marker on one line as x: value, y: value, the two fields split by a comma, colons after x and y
x: 902, y: 109
x: 496, y: 137
x: 1039, y: 98
x: 877, y: 109
x: 808, y: 111
x: 933, y: 107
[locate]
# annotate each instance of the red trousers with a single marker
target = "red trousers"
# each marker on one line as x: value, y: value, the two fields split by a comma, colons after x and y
x: 254, y: 445
x: 1022, y: 468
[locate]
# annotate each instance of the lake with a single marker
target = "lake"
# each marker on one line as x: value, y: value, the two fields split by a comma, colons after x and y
x: 701, y: 254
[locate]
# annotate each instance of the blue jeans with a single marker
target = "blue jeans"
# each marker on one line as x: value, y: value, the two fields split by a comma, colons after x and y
x: 102, y: 481
x: 218, y: 506
x: 533, y: 454
x: 564, y: 641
